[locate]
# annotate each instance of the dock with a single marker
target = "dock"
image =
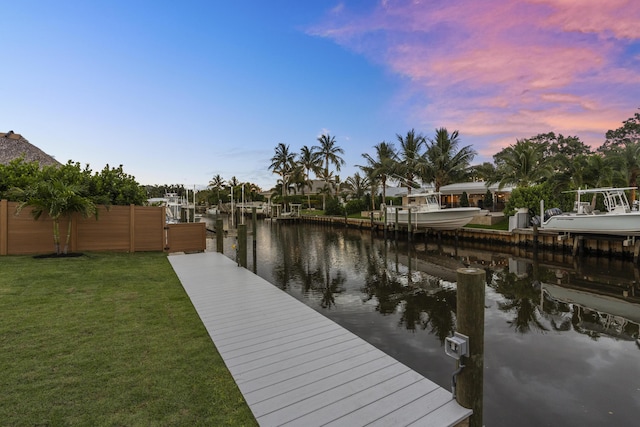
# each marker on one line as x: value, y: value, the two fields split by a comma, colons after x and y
x: 296, y: 367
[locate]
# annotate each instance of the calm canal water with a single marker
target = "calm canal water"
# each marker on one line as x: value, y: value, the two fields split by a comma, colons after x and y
x: 562, y: 344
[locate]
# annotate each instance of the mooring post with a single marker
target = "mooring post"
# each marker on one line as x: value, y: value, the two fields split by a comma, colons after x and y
x: 384, y: 223
x: 409, y: 230
x: 395, y: 228
x: 470, y: 322
x: 535, y: 237
x: 219, y: 236
x: 242, y: 245
x: 254, y: 224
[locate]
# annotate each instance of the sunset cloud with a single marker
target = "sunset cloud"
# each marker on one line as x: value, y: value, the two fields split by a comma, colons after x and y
x: 500, y: 70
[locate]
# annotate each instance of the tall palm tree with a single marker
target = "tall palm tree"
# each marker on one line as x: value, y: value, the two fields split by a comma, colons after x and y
x: 329, y: 152
x: 298, y: 177
x: 217, y: 183
x: 311, y: 162
x: 372, y: 177
x: 384, y: 164
x: 445, y: 162
x: 411, y: 164
x: 282, y: 164
x: 522, y: 164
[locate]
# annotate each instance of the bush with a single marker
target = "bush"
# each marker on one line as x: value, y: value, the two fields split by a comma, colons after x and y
x: 334, y: 207
x: 488, y: 200
x: 355, y: 206
x: 529, y: 197
x: 464, y: 200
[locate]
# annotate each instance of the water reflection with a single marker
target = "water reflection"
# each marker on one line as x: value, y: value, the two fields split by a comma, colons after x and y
x: 560, y: 333
x: 521, y: 297
x: 423, y: 301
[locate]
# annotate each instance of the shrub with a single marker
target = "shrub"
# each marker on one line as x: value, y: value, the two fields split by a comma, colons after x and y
x: 334, y: 207
x: 529, y: 197
x: 464, y: 200
x: 355, y: 206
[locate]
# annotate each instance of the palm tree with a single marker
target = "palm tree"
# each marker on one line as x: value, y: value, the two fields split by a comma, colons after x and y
x: 383, y: 165
x: 329, y: 152
x: 627, y: 161
x: 217, y: 183
x: 522, y: 164
x: 445, y: 163
x: 298, y: 178
x: 311, y: 162
x: 356, y: 185
x: 372, y: 178
x: 282, y: 164
x: 411, y: 164
x: 483, y: 172
x: 59, y: 200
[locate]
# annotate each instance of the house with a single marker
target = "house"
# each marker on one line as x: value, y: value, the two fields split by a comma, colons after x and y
x: 475, y: 193
x: 14, y: 146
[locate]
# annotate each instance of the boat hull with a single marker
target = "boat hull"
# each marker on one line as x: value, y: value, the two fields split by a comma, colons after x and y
x: 627, y: 224
x: 623, y: 224
x: 443, y: 219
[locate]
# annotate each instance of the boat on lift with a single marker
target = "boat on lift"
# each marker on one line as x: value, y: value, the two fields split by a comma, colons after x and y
x: 619, y: 218
x: 425, y: 211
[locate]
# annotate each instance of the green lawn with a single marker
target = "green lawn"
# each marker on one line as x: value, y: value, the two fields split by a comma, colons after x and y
x: 107, y: 339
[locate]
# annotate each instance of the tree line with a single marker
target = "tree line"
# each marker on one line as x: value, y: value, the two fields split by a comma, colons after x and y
x: 540, y: 167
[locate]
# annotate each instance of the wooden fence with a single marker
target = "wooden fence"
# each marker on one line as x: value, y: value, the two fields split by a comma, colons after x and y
x: 119, y: 228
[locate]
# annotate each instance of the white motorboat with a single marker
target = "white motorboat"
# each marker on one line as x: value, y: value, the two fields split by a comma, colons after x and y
x: 618, y: 219
x: 424, y: 211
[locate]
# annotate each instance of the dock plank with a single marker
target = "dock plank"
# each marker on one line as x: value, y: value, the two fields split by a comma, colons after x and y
x: 295, y: 366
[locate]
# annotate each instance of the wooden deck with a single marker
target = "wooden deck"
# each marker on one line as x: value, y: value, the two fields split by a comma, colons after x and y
x: 294, y: 366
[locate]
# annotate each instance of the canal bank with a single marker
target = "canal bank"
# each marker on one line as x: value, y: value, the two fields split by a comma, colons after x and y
x: 592, y: 244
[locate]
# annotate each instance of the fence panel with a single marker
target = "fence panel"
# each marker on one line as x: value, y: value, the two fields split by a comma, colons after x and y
x: 148, y: 220
x: 118, y: 228
x: 110, y: 232
x: 190, y: 237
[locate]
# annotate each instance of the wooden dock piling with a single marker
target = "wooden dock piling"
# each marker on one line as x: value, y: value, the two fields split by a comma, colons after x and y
x: 219, y: 236
x: 242, y: 245
x: 470, y: 322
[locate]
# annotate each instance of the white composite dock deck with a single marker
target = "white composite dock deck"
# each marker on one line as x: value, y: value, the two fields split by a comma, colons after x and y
x: 294, y: 366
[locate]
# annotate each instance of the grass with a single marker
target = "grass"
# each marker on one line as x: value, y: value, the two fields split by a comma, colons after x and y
x: 107, y: 339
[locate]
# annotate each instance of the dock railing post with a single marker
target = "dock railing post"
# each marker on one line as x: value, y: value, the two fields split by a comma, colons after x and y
x: 219, y: 236
x: 242, y: 245
x: 470, y: 322
x: 254, y: 223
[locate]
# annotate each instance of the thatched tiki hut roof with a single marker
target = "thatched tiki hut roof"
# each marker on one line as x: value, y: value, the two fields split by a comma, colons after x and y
x: 14, y: 145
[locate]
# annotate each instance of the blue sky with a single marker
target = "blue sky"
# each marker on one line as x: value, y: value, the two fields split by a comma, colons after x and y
x: 177, y: 92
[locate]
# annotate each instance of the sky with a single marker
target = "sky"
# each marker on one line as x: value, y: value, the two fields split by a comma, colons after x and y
x: 178, y: 92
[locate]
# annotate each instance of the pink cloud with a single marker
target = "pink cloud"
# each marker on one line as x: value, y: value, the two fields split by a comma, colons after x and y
x: 619, y: 18
x: 504, y: 69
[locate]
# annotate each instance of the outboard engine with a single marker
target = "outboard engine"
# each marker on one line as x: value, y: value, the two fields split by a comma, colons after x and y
x: 533, y: 218
x: 551, y: 212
